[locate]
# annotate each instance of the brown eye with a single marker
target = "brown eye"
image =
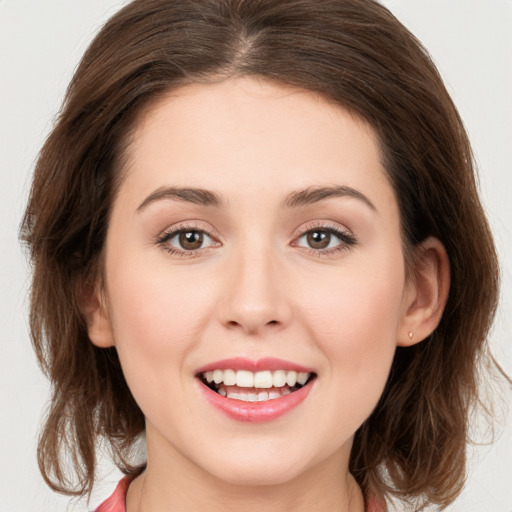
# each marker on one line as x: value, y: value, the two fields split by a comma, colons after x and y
x: 318, y: 239
x: 325, y: 239
x: 191, y: 240
x: 186, y: 240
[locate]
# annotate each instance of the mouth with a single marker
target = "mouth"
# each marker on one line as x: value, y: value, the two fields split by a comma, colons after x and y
x: 255, y: 391
x: 260, y: 386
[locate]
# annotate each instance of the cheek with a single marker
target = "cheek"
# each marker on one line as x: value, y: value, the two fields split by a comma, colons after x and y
x: 354, y: 320
x: 156, y: 316
x: 355, y: 301
x: 145, y: 298
x: 156, y: 319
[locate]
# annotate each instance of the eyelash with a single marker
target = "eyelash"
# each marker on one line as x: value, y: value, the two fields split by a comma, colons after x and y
x: 164, y: 239
x: 346, y: 238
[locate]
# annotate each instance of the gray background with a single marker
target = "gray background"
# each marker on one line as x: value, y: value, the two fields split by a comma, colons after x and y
x: 40, y: 45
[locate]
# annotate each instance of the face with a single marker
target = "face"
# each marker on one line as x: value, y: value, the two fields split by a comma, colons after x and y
x: 253, y: 253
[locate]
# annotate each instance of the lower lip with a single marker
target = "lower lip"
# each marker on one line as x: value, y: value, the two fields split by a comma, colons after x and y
x: 256, y: 412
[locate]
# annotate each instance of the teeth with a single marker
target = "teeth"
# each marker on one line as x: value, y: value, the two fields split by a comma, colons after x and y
x: 302, y: 378
x: 291, y: 378
x: 230, y: 378
x: 279, y: 379
x: 261, y: 380
x: 251, y: 396
x: 262, y: 396
x: 244, y: 379
x: 235, y: 395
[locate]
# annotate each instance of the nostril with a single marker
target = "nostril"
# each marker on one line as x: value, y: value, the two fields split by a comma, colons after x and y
x: 250, y: 328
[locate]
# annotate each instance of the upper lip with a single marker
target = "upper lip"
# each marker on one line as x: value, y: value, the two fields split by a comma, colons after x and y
x: 242, y: 363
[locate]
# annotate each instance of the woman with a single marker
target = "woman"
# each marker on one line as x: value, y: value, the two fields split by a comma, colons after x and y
x: 254, y: 219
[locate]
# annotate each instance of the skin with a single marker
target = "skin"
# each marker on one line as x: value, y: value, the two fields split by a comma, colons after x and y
x: 254, y: 289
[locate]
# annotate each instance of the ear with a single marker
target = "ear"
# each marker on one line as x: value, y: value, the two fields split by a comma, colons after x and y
x: 94, y: 308
x: 426, y: 292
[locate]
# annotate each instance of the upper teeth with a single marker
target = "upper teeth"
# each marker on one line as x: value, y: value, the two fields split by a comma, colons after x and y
x: 265, y: 379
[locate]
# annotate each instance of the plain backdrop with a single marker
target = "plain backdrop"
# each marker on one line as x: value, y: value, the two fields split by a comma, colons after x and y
x: 40, y: 45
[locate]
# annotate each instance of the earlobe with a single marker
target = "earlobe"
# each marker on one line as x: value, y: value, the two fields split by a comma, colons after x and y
x: 427, y: 294
x: 94, y: 308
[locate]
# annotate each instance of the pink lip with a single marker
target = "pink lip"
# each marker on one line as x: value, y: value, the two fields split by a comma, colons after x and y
x: 242, y: 363
x: 256, y: 412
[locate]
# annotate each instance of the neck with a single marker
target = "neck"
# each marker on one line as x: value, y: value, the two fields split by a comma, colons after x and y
x: 173, y: 483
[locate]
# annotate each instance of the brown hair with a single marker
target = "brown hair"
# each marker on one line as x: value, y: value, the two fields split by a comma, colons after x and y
x: 352, y: 52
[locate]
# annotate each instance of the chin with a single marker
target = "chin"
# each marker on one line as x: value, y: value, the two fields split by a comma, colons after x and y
x: 258, y: 474
x: 264, y: 463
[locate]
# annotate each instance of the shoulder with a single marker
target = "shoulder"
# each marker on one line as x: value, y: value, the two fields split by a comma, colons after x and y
x: 116, y: 502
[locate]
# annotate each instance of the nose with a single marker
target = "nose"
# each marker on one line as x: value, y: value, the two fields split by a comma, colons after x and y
x: 255, y: 298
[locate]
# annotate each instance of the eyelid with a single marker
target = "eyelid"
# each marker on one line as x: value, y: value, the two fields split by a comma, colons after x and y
x: 328, y: 225
x: 170, y: 232
x: 345, y: 235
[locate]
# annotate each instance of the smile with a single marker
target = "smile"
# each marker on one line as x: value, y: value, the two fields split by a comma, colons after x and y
x: 255, y: 386
x: 255, y: 391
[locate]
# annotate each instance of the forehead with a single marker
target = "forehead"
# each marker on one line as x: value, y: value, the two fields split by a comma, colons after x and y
x: 249, y: 132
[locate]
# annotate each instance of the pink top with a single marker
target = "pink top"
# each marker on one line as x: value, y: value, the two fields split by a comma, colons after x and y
x: 116, y: 502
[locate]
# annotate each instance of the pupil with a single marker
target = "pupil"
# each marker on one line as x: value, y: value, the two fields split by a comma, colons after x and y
x: 319, y: 239
x: 191, y: 240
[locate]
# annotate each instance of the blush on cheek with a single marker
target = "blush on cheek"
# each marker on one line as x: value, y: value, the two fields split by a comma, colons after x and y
x: 157, y: 317
x: 356, y: 324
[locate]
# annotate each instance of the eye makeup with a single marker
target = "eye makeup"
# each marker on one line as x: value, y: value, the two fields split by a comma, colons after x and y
x: 187, y: 240
x: 193, y: 239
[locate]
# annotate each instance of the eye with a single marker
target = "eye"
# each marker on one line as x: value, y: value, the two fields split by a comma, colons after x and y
x: 190, y: 240
x: 326, y: 239
x: 183, y: 240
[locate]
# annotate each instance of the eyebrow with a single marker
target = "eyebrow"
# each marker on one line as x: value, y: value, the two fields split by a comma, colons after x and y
x: 304, y: 197
x: 313, y: 195
x: 188, y: 195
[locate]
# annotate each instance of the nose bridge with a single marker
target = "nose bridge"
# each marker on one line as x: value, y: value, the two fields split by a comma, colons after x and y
x: 256, y: 296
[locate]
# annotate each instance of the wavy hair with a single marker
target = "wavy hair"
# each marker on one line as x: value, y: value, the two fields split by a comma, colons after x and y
x: 352, y: 52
